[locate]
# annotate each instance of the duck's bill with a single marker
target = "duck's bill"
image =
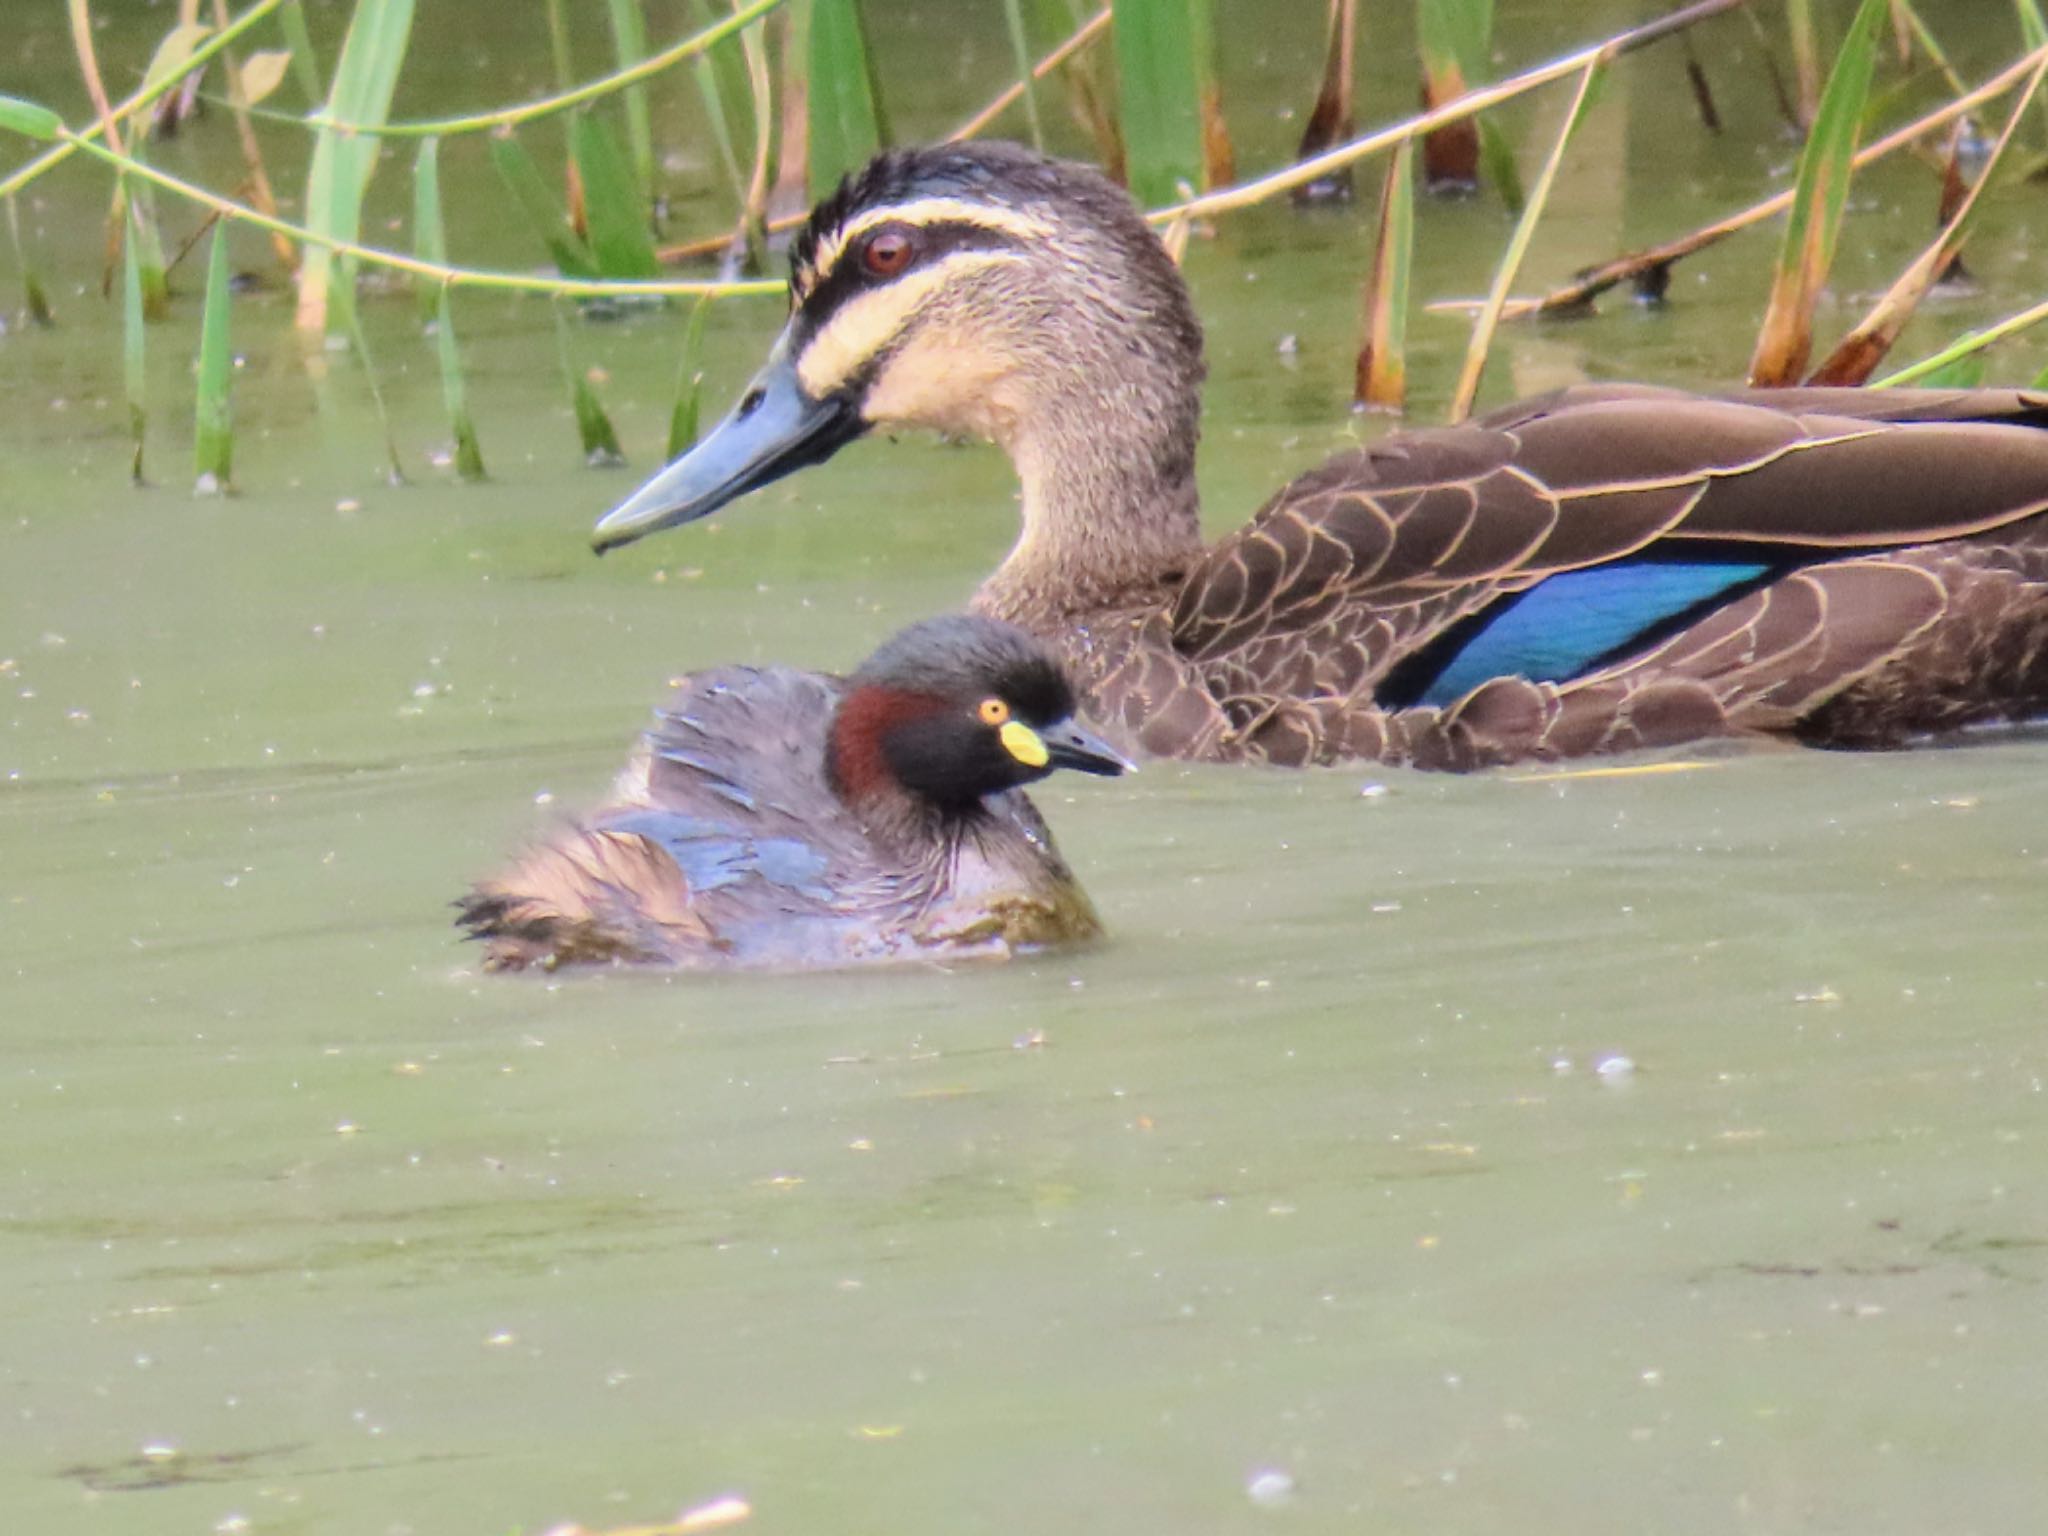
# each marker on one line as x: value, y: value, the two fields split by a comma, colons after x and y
x: 1068, y: 746
x: 775, y: 429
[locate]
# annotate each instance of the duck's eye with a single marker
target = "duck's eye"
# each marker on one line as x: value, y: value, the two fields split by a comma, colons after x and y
x: 887, y: 252
x: 994, y: 712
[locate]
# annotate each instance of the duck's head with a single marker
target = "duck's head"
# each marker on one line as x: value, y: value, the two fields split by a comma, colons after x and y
x: 953, y: 710
x: 981, y: 290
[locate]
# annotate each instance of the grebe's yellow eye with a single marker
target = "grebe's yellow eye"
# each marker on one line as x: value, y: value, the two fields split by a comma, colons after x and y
x: 994, y: 712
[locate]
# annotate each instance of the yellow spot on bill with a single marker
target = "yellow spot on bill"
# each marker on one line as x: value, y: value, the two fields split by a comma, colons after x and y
x: 1022, y: 743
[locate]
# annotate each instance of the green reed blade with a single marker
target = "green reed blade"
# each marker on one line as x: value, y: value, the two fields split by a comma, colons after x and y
x: 573, y: 256
x: 721, y: 82
x: 1454, y: 38
x: 1020, y: 47
x: 1382, y: 377
x: 846, y: 125
x: 613, y: 209
x: 395, y: 471
x: 2033, y: 26
x: 629, y: 42
x: 791, y: 191
x: 760, y: 98
x: 343, y: 163
x: 1332, y: 119
x: 682, y: 420
x: 430, y: 232
x: 559, y: 45
x: 298, y: 39
x: 1518, y: 244
x: 213, y: 436
x: 1219, y: 159
x: 1966, y: 373
x: 134, y: 214
x: 134, y: 354
x: 1819, y: 194
x: 173, y: 52
x: 1858, y: 353
x: 1497, y: 158
x: 1457, y: 34
x: 469, y: 458
x: 261, y: 74
x: 1805, y: 56
x: 1913, y: 29
x: 600, y: 443
x: 35, y: 298
x: 1089, y: 79
x: 30, y: 119
x: 1159, y: 98
x: 2034, y: 30
x: 1970, y: 344
x: 429, y: 235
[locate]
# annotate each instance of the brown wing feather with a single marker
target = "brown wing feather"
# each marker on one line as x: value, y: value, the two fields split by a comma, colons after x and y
x: 587, y: 894
x: 731, y: 763
x: 2016, y: 407
x: 1415, y: 532
x: 1282, y: 631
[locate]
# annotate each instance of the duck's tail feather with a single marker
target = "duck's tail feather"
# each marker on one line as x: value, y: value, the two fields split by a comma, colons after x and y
x: 586, y: 896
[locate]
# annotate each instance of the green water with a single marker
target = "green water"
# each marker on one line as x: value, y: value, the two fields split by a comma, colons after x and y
x: 1657, y: 1153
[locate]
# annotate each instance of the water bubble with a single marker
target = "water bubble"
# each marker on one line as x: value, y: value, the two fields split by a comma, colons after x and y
x: 1270, y: 1488
x: 1614, y: 1069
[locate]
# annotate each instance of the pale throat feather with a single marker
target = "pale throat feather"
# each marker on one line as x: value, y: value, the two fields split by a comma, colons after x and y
x: 1105, y: 523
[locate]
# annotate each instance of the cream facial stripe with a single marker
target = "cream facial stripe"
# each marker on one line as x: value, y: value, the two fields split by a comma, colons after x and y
x: 922, y: 213
x: 864, y: 325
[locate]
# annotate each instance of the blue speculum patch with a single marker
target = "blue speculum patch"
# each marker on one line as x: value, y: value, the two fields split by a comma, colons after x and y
x: 1562, y: 626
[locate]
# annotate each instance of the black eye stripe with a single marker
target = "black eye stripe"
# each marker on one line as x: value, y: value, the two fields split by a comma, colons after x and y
x: 849, y: 275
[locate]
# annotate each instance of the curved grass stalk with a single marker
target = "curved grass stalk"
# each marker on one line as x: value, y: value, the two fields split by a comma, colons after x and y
x: 1820, y: 196
x: 682, y: 417
x: 1247, y: 194
x: 213, y: 421
x: 472, y: 277
x: 1857, y: 354
x: 1081, y: 37
x: 600, y: 441
x: 1966, y: 345
x: 469, y: 457
x: 1518, y: 246
x: 1020, y: 44
x: 1381, y: 381
x: 1261, y: 189
x: 141, y: 99
x: 338, y: 179
x: 1156, y: 89
x: 1589, y: 285
x: 238, y: 93
x: 1078, y: 39
x: 134, y: 357
x: 547, y: 106
x: 629, y: 42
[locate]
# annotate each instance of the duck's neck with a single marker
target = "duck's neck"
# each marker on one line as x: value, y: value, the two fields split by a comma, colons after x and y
x: 1111, y: 516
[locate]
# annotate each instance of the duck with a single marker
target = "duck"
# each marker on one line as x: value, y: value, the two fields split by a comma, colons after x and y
x: 1605, y: 568
x: 781, y: 819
